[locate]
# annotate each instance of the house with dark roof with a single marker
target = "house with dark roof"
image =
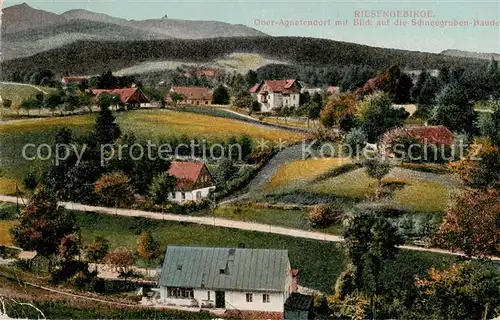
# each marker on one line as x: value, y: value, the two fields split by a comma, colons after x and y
x: 129, y: 97
x: 273, y: 95
x: 238, y: 280
x: 193, y: 181
x: 192, y: 95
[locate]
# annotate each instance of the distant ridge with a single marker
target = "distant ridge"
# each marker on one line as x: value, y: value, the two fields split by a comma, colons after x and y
x: 469, y: 54
x: 27, y: 31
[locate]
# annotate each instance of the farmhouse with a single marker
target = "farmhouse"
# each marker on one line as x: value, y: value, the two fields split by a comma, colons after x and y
x: 73, y: 80
x: 192, y: 95
x: 241, y: 281
x: 276, y: 94
x: 129, y: 97
x: 194, y: 181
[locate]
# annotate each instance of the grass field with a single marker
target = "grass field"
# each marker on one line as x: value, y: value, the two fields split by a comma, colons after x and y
x: 319, y: 262
x: 297, y: 219
x: 415, y: 195
x: 302, y: 171
x: 146, y: 124
x: 5, y: 238
x: 18, y: 92
x: 421, y: 196
x: 355, y: 184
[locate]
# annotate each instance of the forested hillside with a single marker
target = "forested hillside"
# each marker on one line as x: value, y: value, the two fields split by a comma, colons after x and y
x: 92, y: 57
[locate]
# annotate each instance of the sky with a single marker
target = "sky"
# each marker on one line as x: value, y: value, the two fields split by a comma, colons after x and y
x: 339, y: 18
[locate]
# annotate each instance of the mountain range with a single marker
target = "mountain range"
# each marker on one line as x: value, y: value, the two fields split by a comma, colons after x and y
x: 27, y: 31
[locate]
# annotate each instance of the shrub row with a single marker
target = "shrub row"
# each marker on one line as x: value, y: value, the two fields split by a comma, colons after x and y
x: 427, y: 167
x: 337, y: 171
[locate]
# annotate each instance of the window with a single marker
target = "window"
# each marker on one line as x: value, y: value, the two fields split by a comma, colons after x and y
x: 198, y: 195
x: 208, y: 295
x: 179, y: 267
x: 249, y: 297
x: 180, y: 293
x: 183, y: 195
x: 266, y: 298
x: 222, y: 271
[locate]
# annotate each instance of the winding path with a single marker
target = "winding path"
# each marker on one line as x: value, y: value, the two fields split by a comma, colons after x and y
x: 223, y: 223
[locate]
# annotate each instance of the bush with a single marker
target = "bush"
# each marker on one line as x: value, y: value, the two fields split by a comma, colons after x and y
x: 355, y: 141
x: 322, y: 215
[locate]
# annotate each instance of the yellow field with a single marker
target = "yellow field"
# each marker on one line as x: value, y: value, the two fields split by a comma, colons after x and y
x: 5, y: 238
x: 423, y: 196
x: 354, y: 184
x: 303, y: 170
x: 161, y: 123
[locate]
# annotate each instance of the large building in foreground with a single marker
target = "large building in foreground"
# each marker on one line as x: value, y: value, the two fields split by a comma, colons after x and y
x: 238, y: 280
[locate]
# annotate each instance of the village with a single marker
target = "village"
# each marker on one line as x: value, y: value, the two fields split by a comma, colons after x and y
x: 245, y: 185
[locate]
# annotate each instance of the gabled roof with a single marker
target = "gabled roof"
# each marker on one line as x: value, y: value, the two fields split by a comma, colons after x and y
x: 284, y: 86
x: 243, y: 269
x: 125, y: 93
x: 197, y: 93
x: 432, y: 134
x: 186, y: 173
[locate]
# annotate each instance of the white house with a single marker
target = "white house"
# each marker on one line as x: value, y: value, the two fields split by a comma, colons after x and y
x: 237, y: 280
x: 276, y: 94
x: 194, y: 181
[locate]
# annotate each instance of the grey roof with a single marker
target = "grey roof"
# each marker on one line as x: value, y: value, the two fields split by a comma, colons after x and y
x: 244, y: 269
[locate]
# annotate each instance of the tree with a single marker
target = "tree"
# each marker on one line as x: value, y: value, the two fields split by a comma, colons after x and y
x: 369, y: 241
x: 254, y: 107
x: 176, y: 98
x: 161, y: 186
x: 105, y: 129
x: 251, y: 78
x: 29, y: 104
x: 147, y: 247
x: 97, y: 250
x: 220, y: 95
x: 466, y: 290
x: 225, y: 171
x: 6, y: 103
x: 355, y: 142
x: 43, y: 224
x: 323, y: 215
x: 377, y: 115
x: 472, y: 224
x: 121, y: 258
x: 313, y: 111
x: 489, y: 123
x: 455, y: 117
x: 481, y: 168
x: 52, y: 102
x: 246, y: 145
x: 377, y: 167
x: 114, y: 189
x: 336, y: 108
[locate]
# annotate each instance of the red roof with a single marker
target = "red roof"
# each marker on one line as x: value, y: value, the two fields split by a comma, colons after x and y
x: 432, y: 134
x: 284, y: 86
x: 73, y: 79
x: 333, y: 90
x: 189, y: 171
x: 124, y: 93
x: 196, y: 93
